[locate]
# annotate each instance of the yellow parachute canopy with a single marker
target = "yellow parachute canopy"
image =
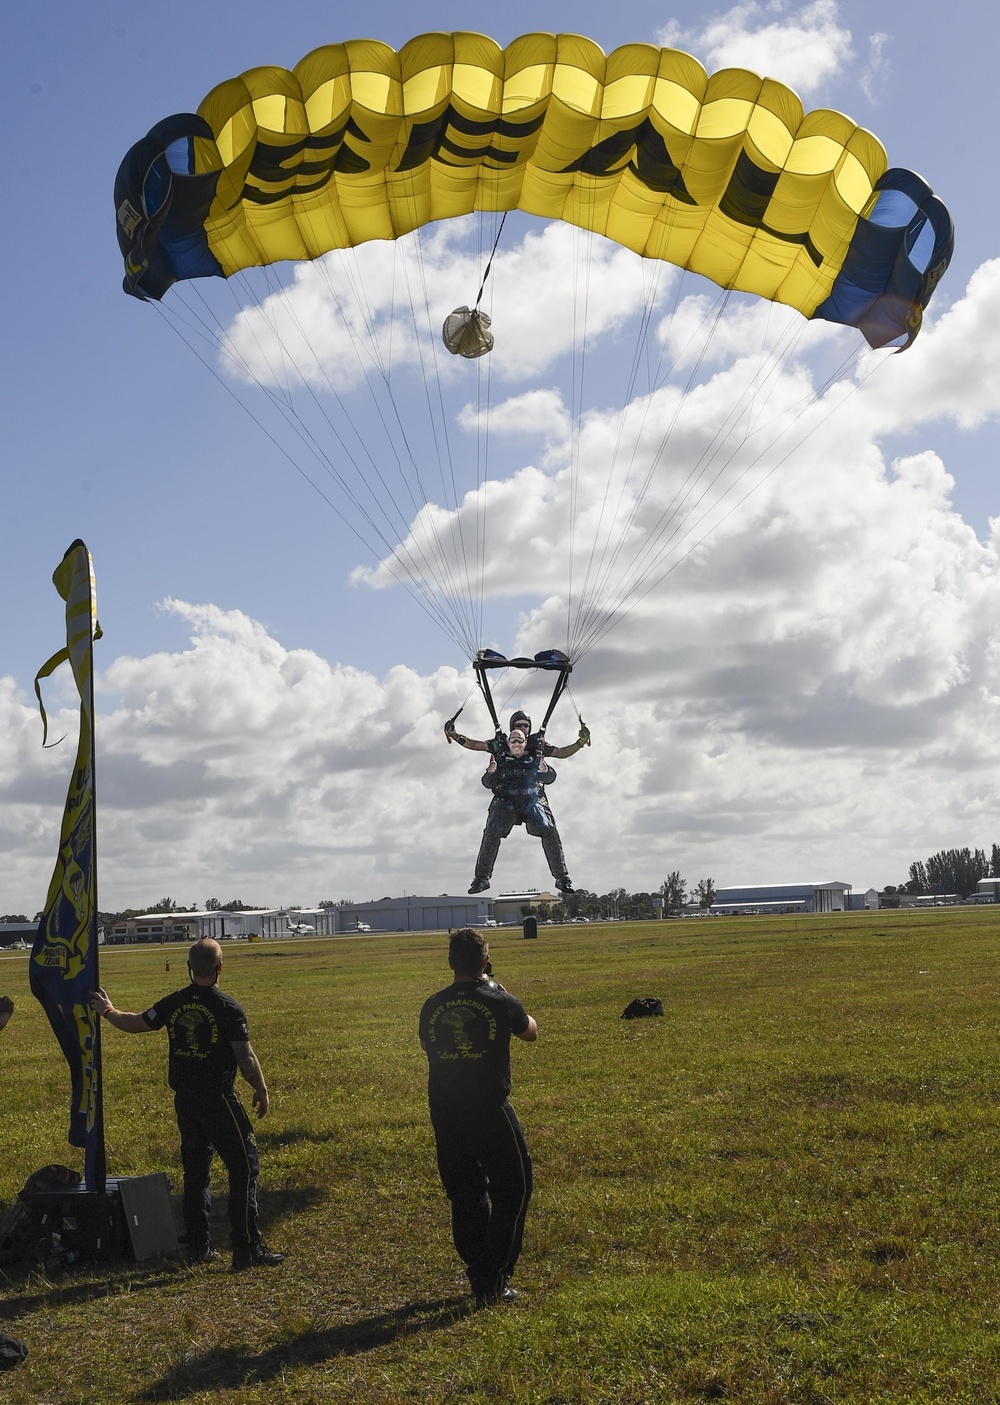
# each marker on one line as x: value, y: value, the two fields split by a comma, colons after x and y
x: 725, y: 175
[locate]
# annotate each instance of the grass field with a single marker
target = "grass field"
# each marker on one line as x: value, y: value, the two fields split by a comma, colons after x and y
x: 784, y: 1191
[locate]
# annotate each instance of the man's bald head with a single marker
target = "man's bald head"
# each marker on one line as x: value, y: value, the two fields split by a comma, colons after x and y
x: 205, y: 961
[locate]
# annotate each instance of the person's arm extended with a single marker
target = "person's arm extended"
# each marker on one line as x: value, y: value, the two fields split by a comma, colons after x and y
x: 125, y: 1020
x: 249, y: 1066
x: 530, y: 1033
x: 470, y: 743
x: 582, y: 740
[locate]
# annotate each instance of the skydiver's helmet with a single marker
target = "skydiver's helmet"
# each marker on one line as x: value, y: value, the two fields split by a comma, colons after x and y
x: 520, y: 722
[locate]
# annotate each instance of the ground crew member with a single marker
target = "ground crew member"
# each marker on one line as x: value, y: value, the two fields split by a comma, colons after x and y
x: 209, y: 1040
x: 482, y: 1157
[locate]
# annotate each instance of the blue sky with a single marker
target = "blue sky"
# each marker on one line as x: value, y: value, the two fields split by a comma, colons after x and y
x: 114, y: 433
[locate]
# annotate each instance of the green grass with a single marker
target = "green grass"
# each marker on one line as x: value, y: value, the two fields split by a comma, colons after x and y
x: 784, y: 1191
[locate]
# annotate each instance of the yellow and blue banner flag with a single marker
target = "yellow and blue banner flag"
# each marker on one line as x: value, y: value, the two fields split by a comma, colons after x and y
x: 63, y: 965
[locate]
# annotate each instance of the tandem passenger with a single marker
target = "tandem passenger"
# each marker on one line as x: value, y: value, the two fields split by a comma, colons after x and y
x: 517, y: 776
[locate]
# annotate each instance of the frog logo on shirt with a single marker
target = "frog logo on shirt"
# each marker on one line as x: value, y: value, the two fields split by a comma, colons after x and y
x: 193, y: 1032
x: 462, y: 1030
x: 458, y: 1022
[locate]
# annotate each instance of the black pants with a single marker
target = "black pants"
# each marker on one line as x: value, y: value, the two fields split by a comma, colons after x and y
x: 537, y: 819
x: 209, y: 1123
x: 486, y: 1171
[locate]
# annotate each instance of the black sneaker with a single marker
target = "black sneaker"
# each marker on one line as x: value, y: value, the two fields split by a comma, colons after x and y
x: 203, y: 1254
x: 503, y: 1293
x: 255, y: 1256
x: 564, y: 885
x: 479, y: 885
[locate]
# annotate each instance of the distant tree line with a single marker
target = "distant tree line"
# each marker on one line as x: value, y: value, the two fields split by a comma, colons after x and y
x: 950, y: 871
x: 668, y: 900
x: 233, y: 905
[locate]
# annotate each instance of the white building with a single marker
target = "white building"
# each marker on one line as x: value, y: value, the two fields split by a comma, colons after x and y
x: 783, y: 897
x: 413, y: 914
x: 987, y: 891
x: 16, y: 933
x: 192, y: 926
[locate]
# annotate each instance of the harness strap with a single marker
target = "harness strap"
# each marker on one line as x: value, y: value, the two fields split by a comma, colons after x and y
x: 551, y: 661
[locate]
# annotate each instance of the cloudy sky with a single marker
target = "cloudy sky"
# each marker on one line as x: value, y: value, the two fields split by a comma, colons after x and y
x: 804, y: 683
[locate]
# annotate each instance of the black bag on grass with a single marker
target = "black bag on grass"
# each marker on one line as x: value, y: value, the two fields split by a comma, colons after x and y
x: 12, y: 1352
x: 23, y: 1231
x: 642, y: 1008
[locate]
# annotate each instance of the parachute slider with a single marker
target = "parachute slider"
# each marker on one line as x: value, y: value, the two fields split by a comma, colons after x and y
x: 466, y: 333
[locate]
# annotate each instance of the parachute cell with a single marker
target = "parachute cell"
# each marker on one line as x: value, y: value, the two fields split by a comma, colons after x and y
x: 725, y: 175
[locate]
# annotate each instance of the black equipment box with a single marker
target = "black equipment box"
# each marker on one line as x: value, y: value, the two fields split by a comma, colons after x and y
x: 131, y: 1218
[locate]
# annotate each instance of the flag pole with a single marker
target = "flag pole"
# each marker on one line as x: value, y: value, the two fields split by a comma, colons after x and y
x: 95, y: 1158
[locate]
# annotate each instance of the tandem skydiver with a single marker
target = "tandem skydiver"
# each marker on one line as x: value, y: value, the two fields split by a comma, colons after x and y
x: 517, y: 775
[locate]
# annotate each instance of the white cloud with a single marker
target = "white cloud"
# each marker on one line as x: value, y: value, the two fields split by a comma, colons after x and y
x: 540, y: 413
x: 835, y: 635
x: 952, y: 371
x: 803, y: 48
x: 636, y: 494
x: 358, y: 314
x: 812, y: 692
x: 877, y: 67
x: 32, y: 790
x: 824, y: 682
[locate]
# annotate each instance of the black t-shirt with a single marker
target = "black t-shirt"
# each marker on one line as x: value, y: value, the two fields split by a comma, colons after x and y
x: 466, y: 1031
x: 201, y: 1023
